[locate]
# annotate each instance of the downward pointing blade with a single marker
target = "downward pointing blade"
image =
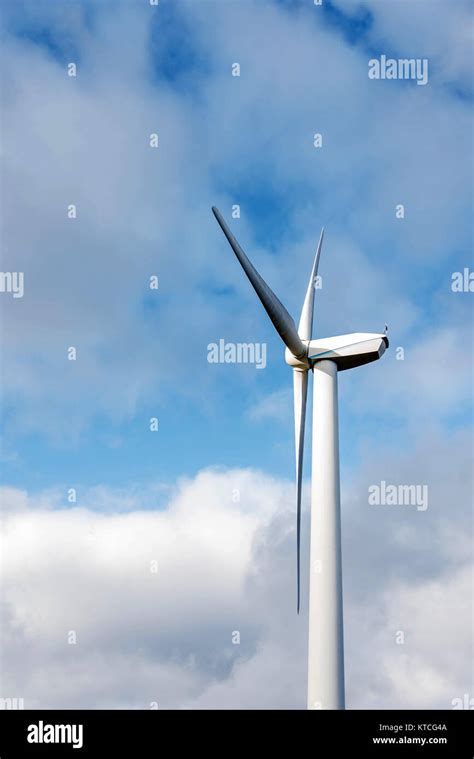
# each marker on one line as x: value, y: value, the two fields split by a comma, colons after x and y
x: 300, y: 389
x: 282, y: 321
x: 305, y: 327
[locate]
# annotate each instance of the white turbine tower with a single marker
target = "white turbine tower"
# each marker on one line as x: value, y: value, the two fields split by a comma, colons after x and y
x: 324, y: 357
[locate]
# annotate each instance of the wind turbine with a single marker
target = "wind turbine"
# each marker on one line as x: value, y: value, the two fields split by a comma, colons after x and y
x: 325, y: 357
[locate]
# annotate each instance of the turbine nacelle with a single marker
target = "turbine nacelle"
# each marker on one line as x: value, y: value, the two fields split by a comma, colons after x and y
x: 347, y: 351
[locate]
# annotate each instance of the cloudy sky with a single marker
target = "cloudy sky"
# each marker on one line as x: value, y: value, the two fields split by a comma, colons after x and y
x: 170, y: 579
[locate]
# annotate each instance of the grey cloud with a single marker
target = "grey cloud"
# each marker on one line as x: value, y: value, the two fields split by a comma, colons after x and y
x: 226, y: 565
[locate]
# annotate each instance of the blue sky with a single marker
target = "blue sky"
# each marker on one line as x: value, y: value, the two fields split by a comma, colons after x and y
x: 227, y: 140
x: 213, y: 429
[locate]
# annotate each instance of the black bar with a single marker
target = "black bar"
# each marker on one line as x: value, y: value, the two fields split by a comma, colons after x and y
x: 164, y: 733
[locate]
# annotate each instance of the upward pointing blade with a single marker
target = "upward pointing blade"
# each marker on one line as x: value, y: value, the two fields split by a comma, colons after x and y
x: 305, y: 328
x: 277, y: 312
x: 300, y: 389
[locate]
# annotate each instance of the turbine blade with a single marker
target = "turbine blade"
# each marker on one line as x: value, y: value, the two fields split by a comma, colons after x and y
x: 305, y: 328
x: 300, y: 389
x: 282, y: 321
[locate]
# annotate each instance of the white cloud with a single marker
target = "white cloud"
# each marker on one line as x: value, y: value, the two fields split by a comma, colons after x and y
x: 420, y: 636
x: 224, y: 565
x: 276, y: 405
